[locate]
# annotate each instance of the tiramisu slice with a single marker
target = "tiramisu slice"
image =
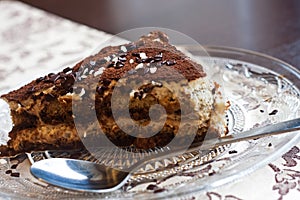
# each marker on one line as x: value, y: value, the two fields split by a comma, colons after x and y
x: 51, y: 112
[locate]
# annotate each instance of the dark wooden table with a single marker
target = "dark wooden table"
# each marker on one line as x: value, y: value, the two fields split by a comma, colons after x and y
x: 269, y: 26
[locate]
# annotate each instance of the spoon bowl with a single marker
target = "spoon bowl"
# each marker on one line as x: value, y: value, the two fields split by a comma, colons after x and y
x: 79, y: 175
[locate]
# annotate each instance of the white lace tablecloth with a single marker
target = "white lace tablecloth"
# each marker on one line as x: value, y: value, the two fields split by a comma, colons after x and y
x: 36, y: 43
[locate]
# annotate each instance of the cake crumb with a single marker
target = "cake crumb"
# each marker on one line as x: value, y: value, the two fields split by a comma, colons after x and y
x: 14, y: 166
x: 274, y: 112
x: 15, y: 174
x: 232, y: 151
x: 270, y: 144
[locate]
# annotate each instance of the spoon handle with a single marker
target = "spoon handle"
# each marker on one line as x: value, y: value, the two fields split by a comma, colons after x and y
x: 255, y: 133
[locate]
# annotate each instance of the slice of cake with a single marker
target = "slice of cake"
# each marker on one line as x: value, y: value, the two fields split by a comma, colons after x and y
x: 112, y: 95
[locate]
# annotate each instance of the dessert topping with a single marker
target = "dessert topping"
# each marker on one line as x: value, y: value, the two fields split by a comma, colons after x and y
x: 153, y: 70
x: 170, y: 62
x: 143, y: 56
x: 123, y: 48
x: 92, y: 62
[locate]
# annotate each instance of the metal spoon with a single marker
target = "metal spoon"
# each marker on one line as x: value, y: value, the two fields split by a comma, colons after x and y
x: 88, y: 176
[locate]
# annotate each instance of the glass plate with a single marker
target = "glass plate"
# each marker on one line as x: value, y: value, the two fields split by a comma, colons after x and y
x: 262, y: 90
